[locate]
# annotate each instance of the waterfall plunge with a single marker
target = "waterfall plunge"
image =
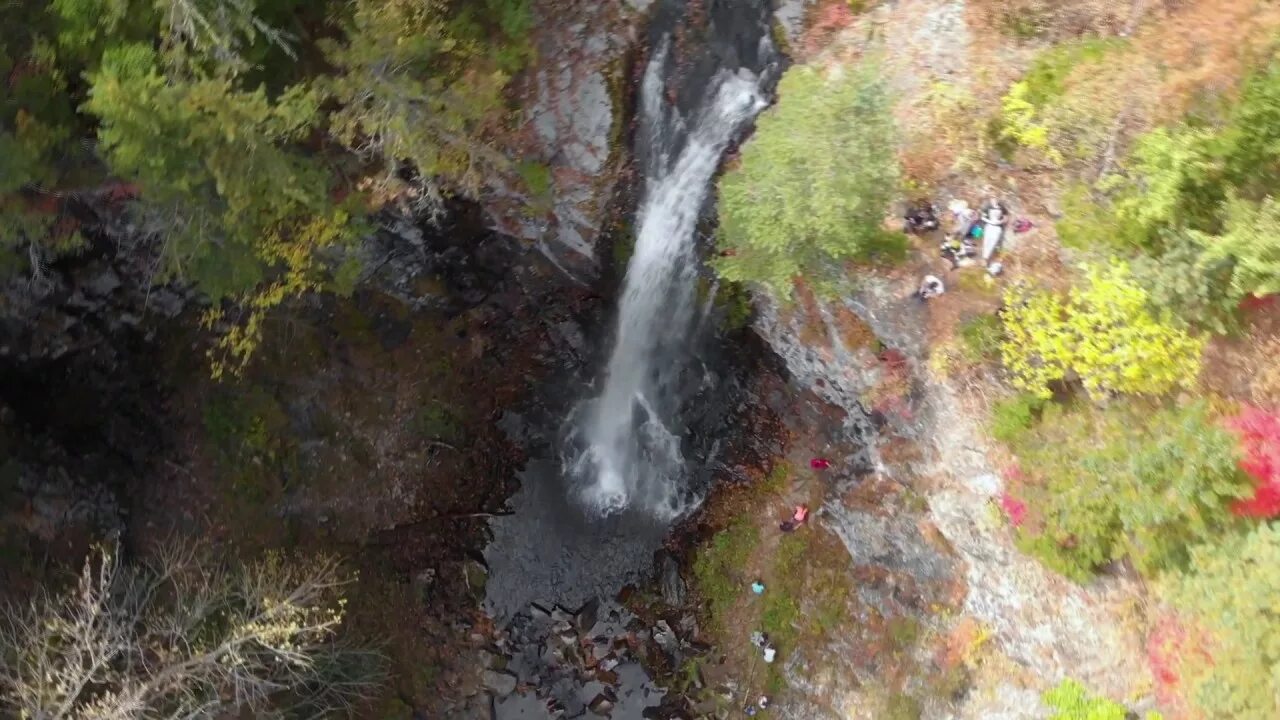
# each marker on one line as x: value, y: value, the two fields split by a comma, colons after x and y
x: 624, y: 454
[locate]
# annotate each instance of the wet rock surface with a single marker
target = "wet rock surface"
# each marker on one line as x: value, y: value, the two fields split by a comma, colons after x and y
x: 571, y: 133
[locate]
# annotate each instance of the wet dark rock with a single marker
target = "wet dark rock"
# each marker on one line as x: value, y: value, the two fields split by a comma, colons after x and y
x: 673, y: 587
x: 587, y: 616
x: 500, y: 682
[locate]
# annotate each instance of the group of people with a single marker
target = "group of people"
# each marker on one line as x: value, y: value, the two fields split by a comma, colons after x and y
x: 969, y: 228
x: 960, y: 243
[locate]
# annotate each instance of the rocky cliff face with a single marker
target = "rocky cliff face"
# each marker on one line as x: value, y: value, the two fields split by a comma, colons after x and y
x: 1043, y: 627
x: 574, y: 119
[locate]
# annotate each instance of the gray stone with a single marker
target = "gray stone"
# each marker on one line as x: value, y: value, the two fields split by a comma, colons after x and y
x: 500, y: 682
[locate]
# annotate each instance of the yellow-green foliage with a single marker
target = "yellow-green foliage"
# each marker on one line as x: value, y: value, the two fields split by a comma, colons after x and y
x: 1103, y: 333
x: 1022, y: 125
x: 1231, y: 593
x: 1070, y: 701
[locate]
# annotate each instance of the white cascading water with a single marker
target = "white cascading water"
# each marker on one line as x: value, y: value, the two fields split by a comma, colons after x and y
x: 626, y: 456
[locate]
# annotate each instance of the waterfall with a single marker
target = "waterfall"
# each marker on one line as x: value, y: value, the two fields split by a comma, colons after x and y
x: 624, y: 451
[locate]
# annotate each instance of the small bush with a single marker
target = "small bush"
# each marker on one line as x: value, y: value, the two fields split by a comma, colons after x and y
x: 1229, y: 593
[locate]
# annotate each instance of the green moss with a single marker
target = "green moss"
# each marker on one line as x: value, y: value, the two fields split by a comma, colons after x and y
x: 536, y: 178
x: 776, y: 481
x: 734, y: 302
x: 624, y: 246
x: 256, y: 453
x: 717, y: 568
x: 436, y: 421
x: 904, y: 632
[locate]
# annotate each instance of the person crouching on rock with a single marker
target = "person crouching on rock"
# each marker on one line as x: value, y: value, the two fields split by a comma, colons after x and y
x: 930, y: 287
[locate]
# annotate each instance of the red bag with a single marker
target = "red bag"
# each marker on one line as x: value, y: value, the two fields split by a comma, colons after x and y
x: 819, y: 463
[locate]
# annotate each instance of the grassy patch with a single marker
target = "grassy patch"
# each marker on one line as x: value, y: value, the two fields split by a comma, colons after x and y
x: 781, y: 615
x: 718, y: 567
x: 1012, y: 418
x: 981, y: 337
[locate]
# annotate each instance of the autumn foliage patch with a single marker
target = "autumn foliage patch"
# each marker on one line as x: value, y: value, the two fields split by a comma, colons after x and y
x: 1259, y: 433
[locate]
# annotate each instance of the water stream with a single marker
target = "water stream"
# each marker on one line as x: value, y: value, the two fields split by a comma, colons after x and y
x: 624, y: 450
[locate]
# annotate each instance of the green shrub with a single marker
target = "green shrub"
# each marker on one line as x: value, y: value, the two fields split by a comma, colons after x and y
x: 1187, y: 280
x: 812, y: 185
x: 1126, y: 482
x: 1015, y: 416
x: 1249, y: 249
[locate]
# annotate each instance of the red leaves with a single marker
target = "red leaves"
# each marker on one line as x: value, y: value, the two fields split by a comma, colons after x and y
x: 1254, y: 302
x: 1259, y: 433
x: 1015, y: 509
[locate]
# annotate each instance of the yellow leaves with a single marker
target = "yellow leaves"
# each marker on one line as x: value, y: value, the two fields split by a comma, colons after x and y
x: 1104, y: 334
x: 292, y: 250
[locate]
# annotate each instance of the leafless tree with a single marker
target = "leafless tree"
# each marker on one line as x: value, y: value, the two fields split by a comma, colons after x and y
x: 184, y: 636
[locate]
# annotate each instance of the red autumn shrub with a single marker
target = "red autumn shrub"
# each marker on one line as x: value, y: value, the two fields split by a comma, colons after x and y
x: 1259, y: 433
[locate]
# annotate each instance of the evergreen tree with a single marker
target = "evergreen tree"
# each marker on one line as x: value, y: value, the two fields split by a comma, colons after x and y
x: 814, y: 182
